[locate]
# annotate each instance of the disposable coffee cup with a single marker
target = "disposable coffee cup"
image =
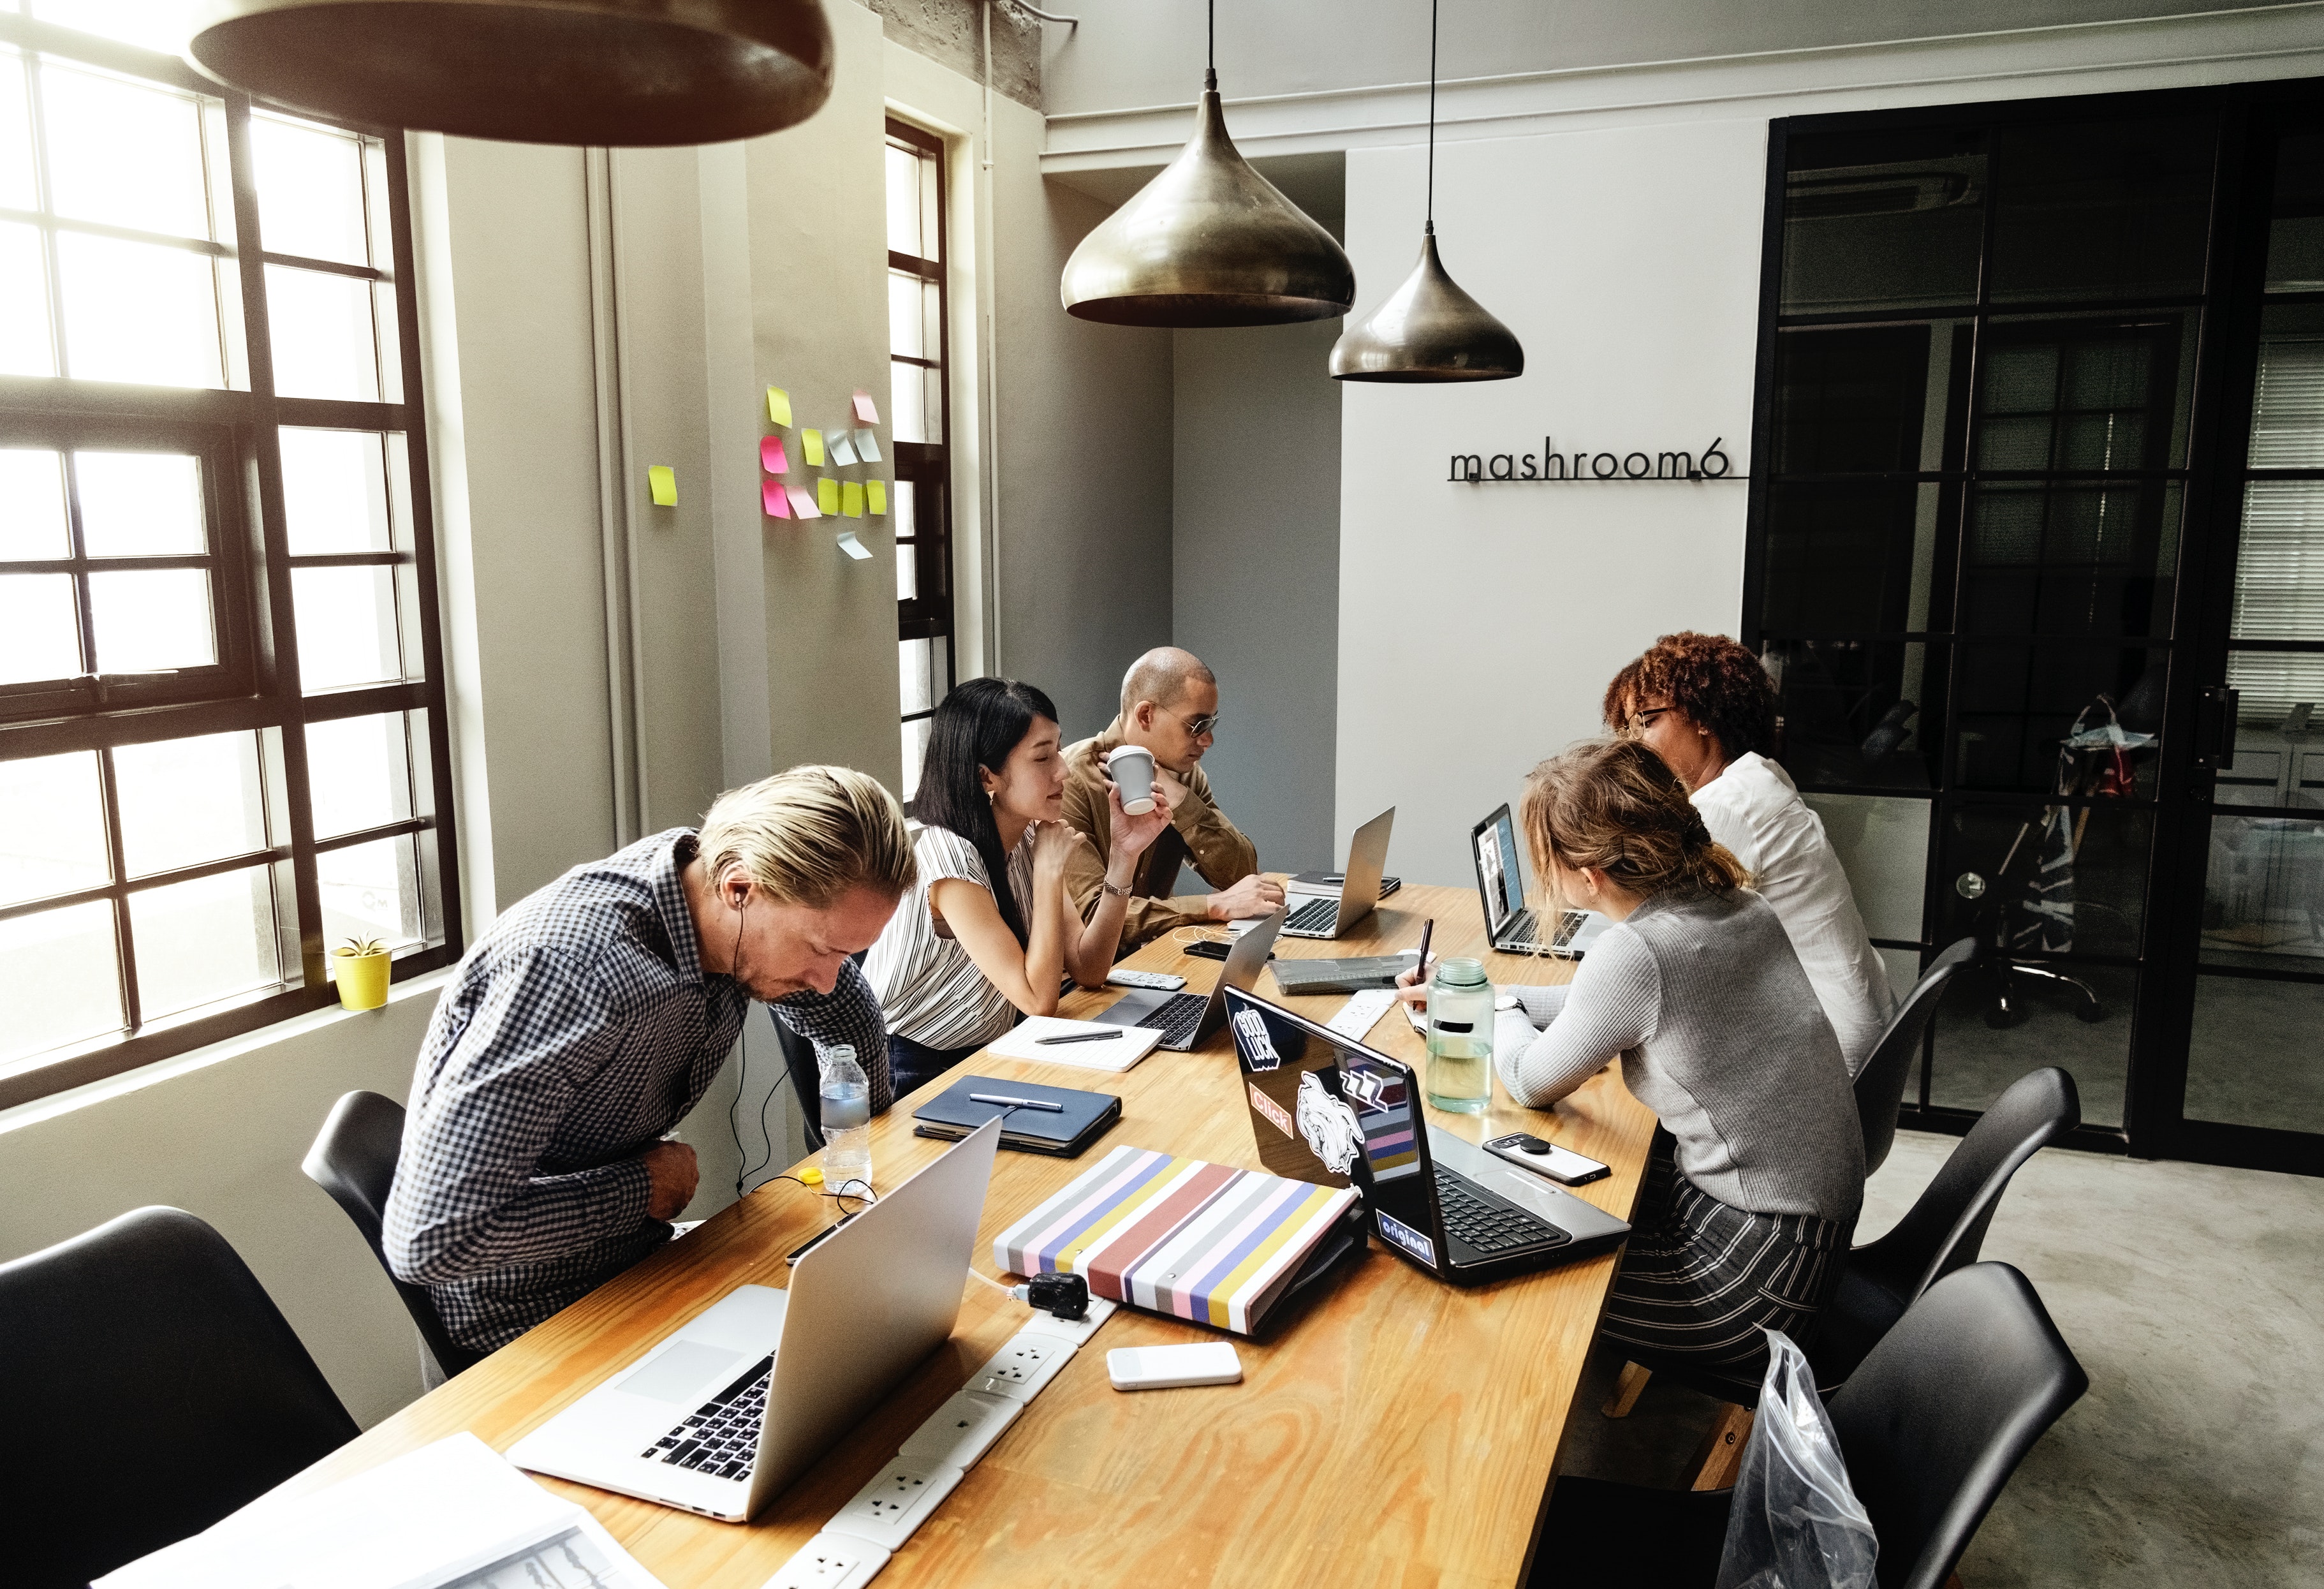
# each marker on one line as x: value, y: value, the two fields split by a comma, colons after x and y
x: 1131, y: 767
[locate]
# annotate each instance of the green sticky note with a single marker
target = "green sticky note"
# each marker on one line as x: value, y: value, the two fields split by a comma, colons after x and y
x: 811, y: 444
x: 662, y: 481
x: 851, y: 499
x: 877, y: 490
x: 826, y: 493
x: 779, y: 406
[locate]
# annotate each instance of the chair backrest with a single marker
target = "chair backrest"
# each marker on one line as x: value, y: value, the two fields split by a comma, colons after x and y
x: 1880, y: 1084
x: 354, y: 1159
x: 148, y: 1387
x: 1945, y: 1228
x: 1942, y: 1410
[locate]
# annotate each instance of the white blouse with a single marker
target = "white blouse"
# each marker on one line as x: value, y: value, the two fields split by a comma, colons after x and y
x: 1754, y: 809
x: 929, y: 989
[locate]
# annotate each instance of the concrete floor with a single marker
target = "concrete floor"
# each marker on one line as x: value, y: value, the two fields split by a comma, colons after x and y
x: 2193, y: 1296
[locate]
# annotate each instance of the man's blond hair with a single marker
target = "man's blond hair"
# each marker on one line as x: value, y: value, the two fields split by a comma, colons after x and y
x: 808, y: 835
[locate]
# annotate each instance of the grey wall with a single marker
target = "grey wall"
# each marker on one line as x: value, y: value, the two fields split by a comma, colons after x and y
x: 1256, y: 572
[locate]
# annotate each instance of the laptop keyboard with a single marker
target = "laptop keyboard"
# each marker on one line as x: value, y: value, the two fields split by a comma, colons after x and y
x: 1315, y: 916
x: 1176, y: 1019
x: 721, y: 1436
x: 1490, y: 1228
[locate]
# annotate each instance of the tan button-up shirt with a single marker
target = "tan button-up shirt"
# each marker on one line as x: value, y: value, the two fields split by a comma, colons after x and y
x: 1198, y: 832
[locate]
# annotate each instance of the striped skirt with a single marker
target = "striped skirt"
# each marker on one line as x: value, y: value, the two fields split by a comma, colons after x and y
x: 1700, y: 1281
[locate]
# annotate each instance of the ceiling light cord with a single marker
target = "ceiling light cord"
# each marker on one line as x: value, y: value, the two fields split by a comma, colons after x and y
x: 1210, y: 45
x: 1430, y: 226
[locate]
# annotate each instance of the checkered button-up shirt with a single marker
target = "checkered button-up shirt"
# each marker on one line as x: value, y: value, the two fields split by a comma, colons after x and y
x: 579, y: 1029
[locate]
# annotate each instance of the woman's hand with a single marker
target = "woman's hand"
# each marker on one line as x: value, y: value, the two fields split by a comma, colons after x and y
x: 1132, y: 835
x: 1053, y: 843
x: 1412, y: 987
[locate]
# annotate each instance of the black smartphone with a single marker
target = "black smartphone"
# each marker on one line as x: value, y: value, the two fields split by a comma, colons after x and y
x: 1205, y: 950
x: 1562, y: 1165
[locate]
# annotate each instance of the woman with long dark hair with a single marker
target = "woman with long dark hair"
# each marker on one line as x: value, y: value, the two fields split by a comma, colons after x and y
x: 989, y: 931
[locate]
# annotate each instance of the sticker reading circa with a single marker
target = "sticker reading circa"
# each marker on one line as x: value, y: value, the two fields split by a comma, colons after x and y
x: 1410, y: 1240
x: 1258, y: 1051
x: 1269, y: 1107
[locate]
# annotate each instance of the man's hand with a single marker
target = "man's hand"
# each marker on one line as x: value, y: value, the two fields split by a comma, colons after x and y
x: 1255, y: 895
x: 1171, y: 785
x: 671, y: 1175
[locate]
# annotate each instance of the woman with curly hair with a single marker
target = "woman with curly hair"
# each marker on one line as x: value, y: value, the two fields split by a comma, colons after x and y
x: 1756, y: 1176
x: 1706, y: 707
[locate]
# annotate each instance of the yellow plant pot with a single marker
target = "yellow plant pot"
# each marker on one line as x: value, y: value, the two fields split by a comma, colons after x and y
x: 362, y: 978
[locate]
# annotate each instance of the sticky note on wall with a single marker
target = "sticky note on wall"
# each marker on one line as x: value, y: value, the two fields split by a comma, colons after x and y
x: 842, y: 453
x: 864, y: 412
x: 826, y: 494
x: 662, y: 481
x: 777, y: 497
x: 867, y: 446
x: 802, y: 503
x: 875, y: 493
x: 852, y: 547
x: 778, y: 406
x: 772, y: 456
x: 851, y: 498
x: 811, y: 444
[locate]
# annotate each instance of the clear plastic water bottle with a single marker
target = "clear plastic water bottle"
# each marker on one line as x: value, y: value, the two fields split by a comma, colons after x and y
x: 1461, y: 1037
x: 846, y: 1120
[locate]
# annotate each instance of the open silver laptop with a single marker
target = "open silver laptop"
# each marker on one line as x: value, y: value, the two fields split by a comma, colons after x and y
x: 732, y: 1407
x: 1187, y: 1019
x: 1509, y: 925
x: 1366, y: 859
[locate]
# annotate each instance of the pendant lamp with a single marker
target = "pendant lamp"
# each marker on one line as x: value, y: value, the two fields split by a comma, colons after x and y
x: 603, y: 72
x: 1209, y: 242
x: 1428, y: 329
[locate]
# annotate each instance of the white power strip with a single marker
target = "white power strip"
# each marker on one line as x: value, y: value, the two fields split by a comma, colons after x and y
x: 1362, y: 1011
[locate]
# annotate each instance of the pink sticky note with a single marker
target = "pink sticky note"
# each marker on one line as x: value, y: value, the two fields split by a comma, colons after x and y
x: 803, y: 503
x: 776, y: 498
x: 771, y: 456
x: 866, y: 414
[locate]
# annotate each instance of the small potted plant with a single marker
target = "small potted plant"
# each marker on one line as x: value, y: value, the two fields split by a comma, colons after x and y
x: 362, y: 972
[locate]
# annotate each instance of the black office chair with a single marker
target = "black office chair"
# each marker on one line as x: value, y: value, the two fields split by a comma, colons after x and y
x: 150, y: 1387
x: 1931, y: 1427
x: 354, y: 1159
x: 1880, y: 1084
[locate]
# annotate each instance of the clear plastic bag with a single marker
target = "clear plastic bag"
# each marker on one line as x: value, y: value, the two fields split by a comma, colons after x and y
x: 1795, y: 1523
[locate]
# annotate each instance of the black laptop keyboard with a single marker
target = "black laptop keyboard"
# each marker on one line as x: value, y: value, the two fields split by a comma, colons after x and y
x: 721, y: 1436
x: 1490, y: 1227
x: 1177, y: 1018
x: 1315, y: 916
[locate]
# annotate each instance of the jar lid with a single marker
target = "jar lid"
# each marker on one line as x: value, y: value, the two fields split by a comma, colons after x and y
x: 1460, y: 971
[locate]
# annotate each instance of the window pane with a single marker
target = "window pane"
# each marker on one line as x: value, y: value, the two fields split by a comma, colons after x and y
x: 2264, y: 888
x: 370, y: 892
x: 310, y: 191
x: 140, y: 505
x: 40, y: 632
x: 51, y: 827
x: 2017, y: 704
x: 908, y: 411
x: 357, y: 773
x: 908, y: 584
x: 2250, y: 1060
x: 918, y: 693
x: 31, y: 504
x: 1856, y: 402
x: 905, y: 333
x: 141, y: 312
x: 335, y: 492
x: 1882, y: 845
x: 2101, y: 209
x: 185, y: 801
x: 915, y: 750
x: 24, y: 344
x: 2087, y: 392
x: 322, y: 333
x: 346, y: 626
x: 903, y: 201
x: 2057, y: 880
x: 1858, y: 713
x: 1878, y: 220
x: 204, y: 940
x: 1974, y: 1062
x: 151, y: 620
x: 2288, y: 400
x: 2062, y: 560
x: 2295, y: 242
x: 17, y: 190
x: 157, y: 24
x: 901, y: 508
x: 123, y: 153
x: 1852, y: 556
x: 69, y: 969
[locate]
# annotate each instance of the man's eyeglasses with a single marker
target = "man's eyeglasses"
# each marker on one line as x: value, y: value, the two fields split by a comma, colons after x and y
x: 1198, y: 727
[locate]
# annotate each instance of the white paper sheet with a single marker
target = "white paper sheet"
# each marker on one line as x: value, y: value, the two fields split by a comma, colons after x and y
x: 1119, y: 1053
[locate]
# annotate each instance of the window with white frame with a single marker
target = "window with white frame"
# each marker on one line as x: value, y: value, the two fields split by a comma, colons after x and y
x: 919, y: 417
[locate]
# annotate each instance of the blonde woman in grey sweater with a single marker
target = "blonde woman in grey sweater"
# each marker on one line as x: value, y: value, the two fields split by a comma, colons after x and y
x: 1755, y: 1178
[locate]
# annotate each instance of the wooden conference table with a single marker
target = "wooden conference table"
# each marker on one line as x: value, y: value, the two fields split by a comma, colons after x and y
x: 1397, y: 1431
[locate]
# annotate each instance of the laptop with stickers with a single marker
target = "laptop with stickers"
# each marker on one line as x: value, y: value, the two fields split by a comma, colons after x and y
x: 1326, y: 1108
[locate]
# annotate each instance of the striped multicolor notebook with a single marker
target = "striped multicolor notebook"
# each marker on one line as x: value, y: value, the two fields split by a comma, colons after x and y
x: 1199, y: 1241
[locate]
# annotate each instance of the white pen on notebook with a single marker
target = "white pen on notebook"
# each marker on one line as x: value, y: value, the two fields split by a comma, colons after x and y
x: 1017, y: 1103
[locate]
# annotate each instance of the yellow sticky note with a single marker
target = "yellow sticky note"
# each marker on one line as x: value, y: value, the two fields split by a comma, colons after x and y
x: 662, y: 481
x: 851, y: 499
x: 811, y: 444
x: 826, y: 493
x: 779, y: 406
x: 877, y: 490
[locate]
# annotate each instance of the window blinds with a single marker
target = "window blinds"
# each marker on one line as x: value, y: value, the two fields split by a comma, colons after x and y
x: 2279, y: 559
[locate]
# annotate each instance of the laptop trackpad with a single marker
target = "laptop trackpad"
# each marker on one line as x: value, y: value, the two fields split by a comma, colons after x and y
x: 681, y: 1373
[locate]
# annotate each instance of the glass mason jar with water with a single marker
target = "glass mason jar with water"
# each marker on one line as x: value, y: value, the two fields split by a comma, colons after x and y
x: 1459, y: 1037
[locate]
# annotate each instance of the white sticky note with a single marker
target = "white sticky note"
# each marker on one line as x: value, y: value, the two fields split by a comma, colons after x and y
x: 867, y: 446
x: 841, y: 447
x: 852, y: 547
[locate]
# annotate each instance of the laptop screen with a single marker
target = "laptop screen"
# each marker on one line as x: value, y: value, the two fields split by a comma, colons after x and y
x: 1500, y: 873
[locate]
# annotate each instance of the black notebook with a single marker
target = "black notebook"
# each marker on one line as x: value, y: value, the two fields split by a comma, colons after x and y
x: 1061, y: 1134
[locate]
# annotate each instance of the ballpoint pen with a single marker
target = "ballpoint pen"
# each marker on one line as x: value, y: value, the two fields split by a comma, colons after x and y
x: 1017, y: 1103
x: 1078, y: 1037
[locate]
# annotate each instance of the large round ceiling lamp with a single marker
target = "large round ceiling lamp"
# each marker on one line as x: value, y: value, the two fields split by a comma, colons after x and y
x: 605, y: 72
x: 1209, y: 242
x: 1428, y: 329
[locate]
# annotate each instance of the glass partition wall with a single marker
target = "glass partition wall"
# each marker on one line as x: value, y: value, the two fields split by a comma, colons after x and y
x: 2036, y: 560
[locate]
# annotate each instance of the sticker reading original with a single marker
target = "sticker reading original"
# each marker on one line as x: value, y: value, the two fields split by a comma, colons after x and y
x: 1410, y: 1240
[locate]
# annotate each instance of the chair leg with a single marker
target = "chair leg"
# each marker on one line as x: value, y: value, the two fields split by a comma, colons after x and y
x: 1626, y: 1389
x: 1719, y: 1458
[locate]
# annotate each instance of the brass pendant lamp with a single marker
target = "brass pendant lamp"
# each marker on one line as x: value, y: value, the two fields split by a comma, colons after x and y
x: 1428, y: 329
x: 603, y: 72
x: 1209, y: 242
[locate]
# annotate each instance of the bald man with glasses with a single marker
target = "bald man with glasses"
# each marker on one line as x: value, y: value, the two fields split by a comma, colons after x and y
x: 1170, y: 706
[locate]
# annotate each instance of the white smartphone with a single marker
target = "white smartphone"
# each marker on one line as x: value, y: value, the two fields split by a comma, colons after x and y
x: 1562, y: 1165
x: 1159, y: 1368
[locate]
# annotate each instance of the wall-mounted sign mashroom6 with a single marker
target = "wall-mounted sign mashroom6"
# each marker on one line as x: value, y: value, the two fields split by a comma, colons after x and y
x: 1550, y: 466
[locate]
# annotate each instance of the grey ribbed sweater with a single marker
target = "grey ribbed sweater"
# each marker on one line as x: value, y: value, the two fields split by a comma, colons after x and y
x: 1719, y: 1033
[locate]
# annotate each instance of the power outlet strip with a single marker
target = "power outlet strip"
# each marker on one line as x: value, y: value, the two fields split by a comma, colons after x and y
x: 897, y: 1500
x: 1020, y: 1370
x: 962, y: 1430
x: 831, y: 1561
x: 1077, y: 1331
x: 1362, y: 1012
